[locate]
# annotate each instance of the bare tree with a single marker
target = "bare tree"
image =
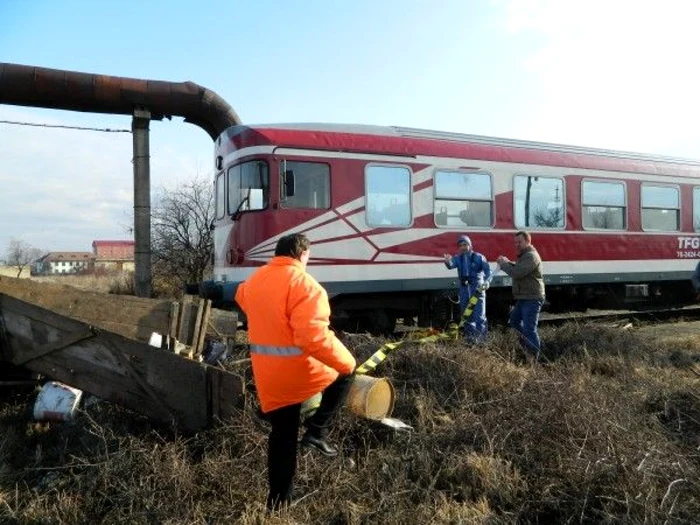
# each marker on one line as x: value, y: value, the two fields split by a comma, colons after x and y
x: 608, y: 218
x: 549, y: 219
x: 182, y: 242
x: 20, y: 254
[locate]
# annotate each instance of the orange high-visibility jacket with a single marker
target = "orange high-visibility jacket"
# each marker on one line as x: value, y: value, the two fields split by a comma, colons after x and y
x: 294, y: 353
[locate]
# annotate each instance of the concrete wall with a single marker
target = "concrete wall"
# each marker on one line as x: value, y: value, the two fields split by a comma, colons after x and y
x: 115, y: 266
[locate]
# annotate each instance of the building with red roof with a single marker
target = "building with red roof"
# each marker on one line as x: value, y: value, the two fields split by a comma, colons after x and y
x: 113, y: 255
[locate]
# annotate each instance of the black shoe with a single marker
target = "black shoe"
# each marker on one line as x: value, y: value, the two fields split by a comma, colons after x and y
x: 319, y: 444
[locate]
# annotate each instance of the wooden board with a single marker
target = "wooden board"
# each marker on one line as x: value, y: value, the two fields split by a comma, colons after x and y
x: 126, y: 315
x: 133, y: 317
x: 154, y: 382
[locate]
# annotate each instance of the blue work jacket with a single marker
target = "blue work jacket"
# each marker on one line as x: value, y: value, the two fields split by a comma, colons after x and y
x: 472, y: 267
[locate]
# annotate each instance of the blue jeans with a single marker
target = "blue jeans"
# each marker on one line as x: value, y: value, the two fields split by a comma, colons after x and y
x: 476, y: 327
x: 523, y: 318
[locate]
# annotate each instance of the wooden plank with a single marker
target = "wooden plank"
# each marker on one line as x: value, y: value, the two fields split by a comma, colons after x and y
x: 214, y: 384
x: 185, y: 320
x: 206, y: 314
x: 41, y: 350
x: 4, y: 341
x: 226, y: 391
x: 91, y: 365
x: 223, y: 323
x: 197, y: 323
x: 166, y: 413
x: 174, y: 319
x: 175, y: 387
x: 133, y: 317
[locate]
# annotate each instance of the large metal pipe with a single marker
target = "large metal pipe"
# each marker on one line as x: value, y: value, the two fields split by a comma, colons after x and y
x: 58, y: 89
x: 145, y: 100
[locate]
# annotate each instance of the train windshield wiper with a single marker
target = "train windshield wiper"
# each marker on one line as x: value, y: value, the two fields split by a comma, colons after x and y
x: 237, y: 213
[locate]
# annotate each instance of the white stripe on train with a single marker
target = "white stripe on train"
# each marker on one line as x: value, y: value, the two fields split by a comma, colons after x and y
x: 330, y: 273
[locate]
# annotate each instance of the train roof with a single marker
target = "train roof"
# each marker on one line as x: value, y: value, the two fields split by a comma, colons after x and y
x: 398, y: 140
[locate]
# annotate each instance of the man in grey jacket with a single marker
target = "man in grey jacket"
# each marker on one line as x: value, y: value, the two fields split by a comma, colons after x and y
x: 528, y: 291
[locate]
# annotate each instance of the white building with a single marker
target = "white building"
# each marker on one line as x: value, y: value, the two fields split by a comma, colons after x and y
x: 65, y: 263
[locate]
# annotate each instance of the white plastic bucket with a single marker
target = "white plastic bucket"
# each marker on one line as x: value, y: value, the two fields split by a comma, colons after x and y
x: 57, y: 402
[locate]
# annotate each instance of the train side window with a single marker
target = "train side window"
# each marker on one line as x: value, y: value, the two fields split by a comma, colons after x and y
x: 220, y: 192
x: 463, y: 199
x: 661, y: 208
x: 312, y: 186
x: 248, y: 187
x: 604, y: 205
x: 696, y: 209
x: 539, y: 201
x: 388, y: 196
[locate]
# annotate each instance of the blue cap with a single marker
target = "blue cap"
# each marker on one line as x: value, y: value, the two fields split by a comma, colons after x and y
x: 464, y: 238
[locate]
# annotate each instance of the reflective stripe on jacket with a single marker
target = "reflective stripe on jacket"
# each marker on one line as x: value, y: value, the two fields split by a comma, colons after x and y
x: 294, y: 353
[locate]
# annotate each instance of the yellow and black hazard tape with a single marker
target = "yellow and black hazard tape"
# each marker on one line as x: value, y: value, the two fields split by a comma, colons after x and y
x: 452, y: 333
x: 430, y: 336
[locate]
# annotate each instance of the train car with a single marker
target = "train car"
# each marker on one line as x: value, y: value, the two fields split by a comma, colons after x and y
x: 381, y: 205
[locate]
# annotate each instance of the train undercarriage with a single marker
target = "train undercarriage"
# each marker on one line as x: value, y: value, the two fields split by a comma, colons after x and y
x: 378, y: 313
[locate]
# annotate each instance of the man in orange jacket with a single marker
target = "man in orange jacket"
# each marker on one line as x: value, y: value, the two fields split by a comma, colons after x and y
x: 295, y: 356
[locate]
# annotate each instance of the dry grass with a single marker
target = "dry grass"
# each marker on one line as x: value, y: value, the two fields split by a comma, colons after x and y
x: 606, y: 431
x: 120, y: 283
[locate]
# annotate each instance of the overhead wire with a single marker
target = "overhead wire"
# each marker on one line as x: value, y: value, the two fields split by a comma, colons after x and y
x: 80, y: 128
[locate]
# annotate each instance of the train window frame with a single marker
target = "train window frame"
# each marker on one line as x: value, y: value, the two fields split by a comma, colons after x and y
x: 284, y: 200
x: 696, y: 208
x: 625, y: 215
x: 220, y: 195
x: 642, y: 207
x: 491, y: 201
x: 375, y: 224
x: 244, y: 204
x: 562, y: 198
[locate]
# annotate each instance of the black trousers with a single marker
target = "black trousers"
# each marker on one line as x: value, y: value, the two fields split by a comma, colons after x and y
x: 282, y: 442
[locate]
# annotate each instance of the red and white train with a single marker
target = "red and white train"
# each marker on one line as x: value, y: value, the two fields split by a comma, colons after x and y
x: 381, y: 205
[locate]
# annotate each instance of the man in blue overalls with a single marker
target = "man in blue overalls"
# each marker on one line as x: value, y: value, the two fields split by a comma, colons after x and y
x: 474, y: 277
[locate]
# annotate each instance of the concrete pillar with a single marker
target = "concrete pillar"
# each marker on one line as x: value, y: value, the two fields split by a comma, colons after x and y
x: 142, y: 203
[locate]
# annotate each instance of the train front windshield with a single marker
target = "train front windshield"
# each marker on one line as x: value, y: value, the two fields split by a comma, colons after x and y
x: 248, y: 187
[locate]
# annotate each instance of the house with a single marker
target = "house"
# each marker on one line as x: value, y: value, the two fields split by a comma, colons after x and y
x: 64, y: 263
x: 112, y: 256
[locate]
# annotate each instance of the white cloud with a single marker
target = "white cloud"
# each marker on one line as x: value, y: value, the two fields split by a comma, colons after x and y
x: 612, y: 73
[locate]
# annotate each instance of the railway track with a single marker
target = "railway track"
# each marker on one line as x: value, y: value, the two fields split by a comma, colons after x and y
x: 652, y: 315
x: 686, y: 313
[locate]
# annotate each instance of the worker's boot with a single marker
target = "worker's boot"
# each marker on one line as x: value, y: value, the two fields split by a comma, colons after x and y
x: 320, y: 444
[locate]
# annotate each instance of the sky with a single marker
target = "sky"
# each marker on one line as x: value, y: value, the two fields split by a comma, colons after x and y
x: 613, y: 74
